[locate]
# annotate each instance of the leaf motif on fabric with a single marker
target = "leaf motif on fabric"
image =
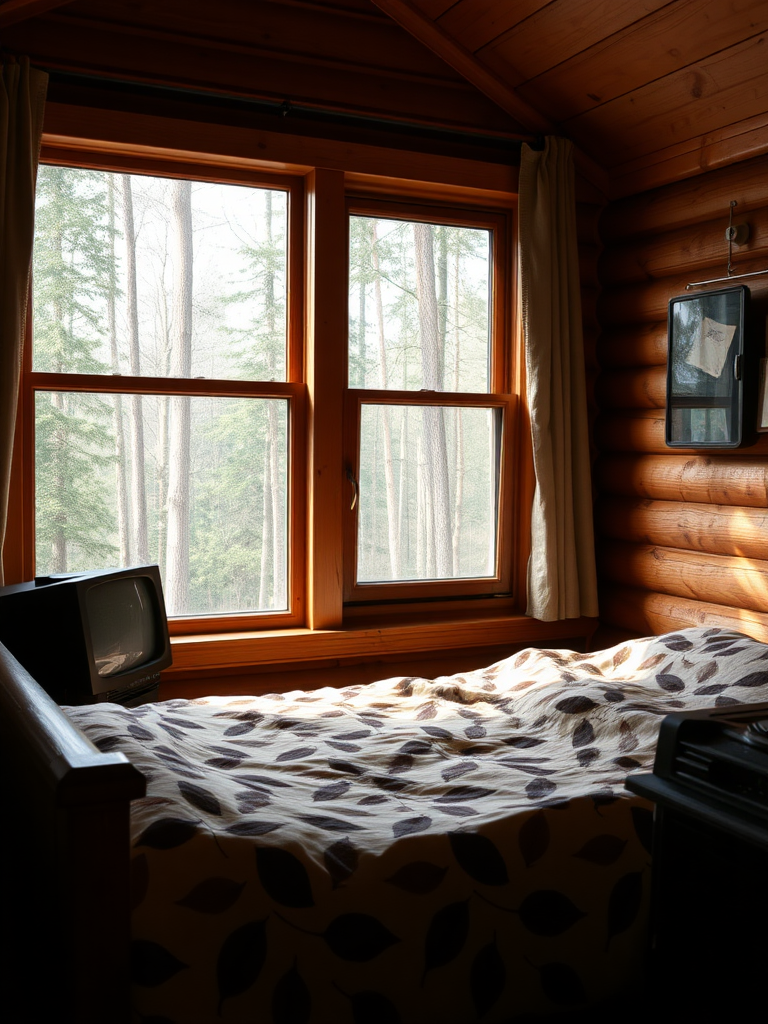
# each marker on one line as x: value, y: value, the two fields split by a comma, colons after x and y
x: 428, y: 710
x: 241, y: 959
x: 350, y: 748
x: 707, y: 671
x: 575, y: 705
x: 479, y: 857
x: 548, y: 912
x: 624, y: 903
x: 457, y: 810
x: 419, y: 877
x: 340, y: 861
x: 562, y: 985
x: 721, y: 702
x: 711, y: 690
x: 261, y: 780
x: 752, y: 680
x: 587, y: 756
x: 475, y: 732
x: 409, y: 826
x: 253, y: 827
x: 139, y: 879
x: 487, y: 978
x: 604, y: 849
x: 621, y: 656
x: 670, y: 683
x: 583, y: 734
x: 331, y: 792
x: 226, y: 763
x: 200, y: 798
x: 437, y: 732
x: 358, y: 937
x: 250, y: 800
x: 537, y: 789
x: 167, y: 833
x: 533, y: 838
x: 455, y: 771
x: 614, y: 696
x: 460, y: 793
x: 329, y: 824
x: 653, y: 662
x: 373, y: 1008
x: 240, y: 729
x: 415, y: 747
x: 152, y: 964
x: 295, y: 754
x: 391, y: 785
x: 345, y: 766
x: 446, y: 935
x: 400, y: 763
x: 627, y: 738
x: 140, y: 733
x: 212, y: 896
x: 283, y: 877
x: 523, y: 742
x: 107, y: 743
x: 291, y: 999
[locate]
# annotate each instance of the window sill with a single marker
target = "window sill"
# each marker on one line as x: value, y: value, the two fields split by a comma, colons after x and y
x: 228, y: 653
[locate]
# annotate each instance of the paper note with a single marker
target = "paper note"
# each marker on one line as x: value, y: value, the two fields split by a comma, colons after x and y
x: 710, y: 346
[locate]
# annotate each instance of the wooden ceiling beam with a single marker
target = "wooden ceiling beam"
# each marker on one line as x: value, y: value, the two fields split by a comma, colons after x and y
x: 13, y: 11
x: 431, y: 35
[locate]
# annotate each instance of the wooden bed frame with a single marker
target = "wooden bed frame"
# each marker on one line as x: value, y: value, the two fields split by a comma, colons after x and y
x: 65, y: 858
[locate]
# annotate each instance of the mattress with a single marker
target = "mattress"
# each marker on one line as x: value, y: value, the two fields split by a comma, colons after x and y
x: 413, y: 850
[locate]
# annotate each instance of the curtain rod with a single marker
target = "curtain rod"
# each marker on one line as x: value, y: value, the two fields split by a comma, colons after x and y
x: 288, y: 109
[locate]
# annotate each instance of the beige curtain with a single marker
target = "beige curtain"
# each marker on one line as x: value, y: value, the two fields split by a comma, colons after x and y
x: 22, y: 98
x: 562, y: 581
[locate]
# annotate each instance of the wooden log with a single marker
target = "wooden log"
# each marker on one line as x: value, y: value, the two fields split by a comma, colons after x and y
x: 696, y: 247
x: 647, y: 302
x: 588, y: 259
x: 637, y: 345
x: 717, y: 479
x: 591, y: 343
x: 719, y: 579
x: 645, y: 388
x: 644, y: 613
x: 716, y: 529
x: 643, y: 431
x: 688, y: 202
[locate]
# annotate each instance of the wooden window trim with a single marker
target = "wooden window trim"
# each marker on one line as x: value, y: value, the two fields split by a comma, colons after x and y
x: 134, y: 142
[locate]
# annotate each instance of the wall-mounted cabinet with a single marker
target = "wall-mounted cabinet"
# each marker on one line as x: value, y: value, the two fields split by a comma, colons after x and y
x: 711, y: 371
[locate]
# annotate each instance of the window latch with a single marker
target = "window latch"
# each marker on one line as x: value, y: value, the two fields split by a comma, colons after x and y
x: 351, y: 478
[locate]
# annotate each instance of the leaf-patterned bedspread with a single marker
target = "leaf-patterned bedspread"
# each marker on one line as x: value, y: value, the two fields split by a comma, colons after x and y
x: 449, y: 850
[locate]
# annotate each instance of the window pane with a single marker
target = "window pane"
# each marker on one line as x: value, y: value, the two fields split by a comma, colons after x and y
x: 419, y: 306
x: 158, y: 277
x: 206, y: 498
x: 428, y: 492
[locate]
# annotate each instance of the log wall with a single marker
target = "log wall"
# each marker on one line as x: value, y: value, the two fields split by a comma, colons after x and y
x: 682, y: 535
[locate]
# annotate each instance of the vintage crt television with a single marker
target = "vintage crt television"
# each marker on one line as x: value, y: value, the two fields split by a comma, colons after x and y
x: 92, y: 636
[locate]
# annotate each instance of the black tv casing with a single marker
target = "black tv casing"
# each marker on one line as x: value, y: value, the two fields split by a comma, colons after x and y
x: 44, y: 624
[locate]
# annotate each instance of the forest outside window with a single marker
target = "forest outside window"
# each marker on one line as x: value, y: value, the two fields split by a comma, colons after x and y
x: 162, y: 389
x: 428, y: 411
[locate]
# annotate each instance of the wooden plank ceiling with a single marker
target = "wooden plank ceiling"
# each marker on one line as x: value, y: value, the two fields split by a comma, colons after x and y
x: 649, y: 90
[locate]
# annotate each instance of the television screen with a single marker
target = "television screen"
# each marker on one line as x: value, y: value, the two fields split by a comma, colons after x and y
x: 92, y: 636
x: 123, y: 627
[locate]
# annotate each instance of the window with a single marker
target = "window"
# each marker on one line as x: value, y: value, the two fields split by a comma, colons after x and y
x: 428, y: 405
x: 165, y: 423
x: 225, y: 359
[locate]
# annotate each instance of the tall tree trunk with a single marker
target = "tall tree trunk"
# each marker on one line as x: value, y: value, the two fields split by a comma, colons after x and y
x: 393, y: 521
x: 138, y: 488
x: 433, y: 424
x: 177, y: 557
x: 458, y: 488
x: 59, y: 537
x: 123, y: 526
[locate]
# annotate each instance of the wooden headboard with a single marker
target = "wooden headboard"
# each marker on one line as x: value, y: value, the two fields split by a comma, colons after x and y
x: 65, y: 861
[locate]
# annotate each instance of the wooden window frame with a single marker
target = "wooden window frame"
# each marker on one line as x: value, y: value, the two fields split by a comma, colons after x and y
x: 328, y: 173
x: 500, y: 395
x: 293, y: 390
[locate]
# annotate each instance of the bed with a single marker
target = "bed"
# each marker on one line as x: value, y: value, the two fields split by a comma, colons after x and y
x: 413, y: 850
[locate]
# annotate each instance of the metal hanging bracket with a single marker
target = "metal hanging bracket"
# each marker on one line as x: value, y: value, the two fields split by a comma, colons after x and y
x: 735, y: 234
